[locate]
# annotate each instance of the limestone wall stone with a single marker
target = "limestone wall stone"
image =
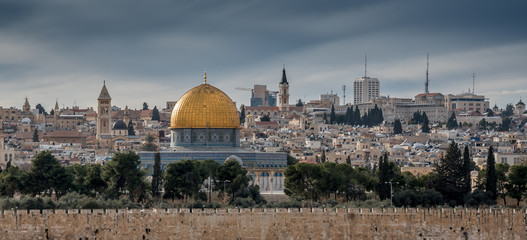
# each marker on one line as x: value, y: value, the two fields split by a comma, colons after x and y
x: 266, y: 223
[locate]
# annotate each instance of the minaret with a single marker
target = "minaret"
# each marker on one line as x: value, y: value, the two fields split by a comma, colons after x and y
x: 284, y: 94
x: 26, y: 108
x: 104, y: 117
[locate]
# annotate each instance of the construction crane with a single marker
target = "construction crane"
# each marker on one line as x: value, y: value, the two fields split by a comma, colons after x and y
x: 244, y: 89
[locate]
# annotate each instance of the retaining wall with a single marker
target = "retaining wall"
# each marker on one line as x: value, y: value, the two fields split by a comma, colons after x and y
x: 294, y: 223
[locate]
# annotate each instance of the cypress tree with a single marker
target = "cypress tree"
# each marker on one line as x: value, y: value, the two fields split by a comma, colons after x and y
x: 364, y: 120
x: 356, y: 116
x: 489, y: 112
x: 466, y: 170
x: 155, y: 114
x: 492, y: 178
x: 323, y: 157
x: 397, y: 127
x: 417, y: 118
x: 332, y: 116
x: 131, y: 131
x: 35, y: 135
x: 451, y: 176
x: 452, y: 122
x: 242, y: 114
x: 156, y: 175
x: 425, y: 126
x: 384, y: 177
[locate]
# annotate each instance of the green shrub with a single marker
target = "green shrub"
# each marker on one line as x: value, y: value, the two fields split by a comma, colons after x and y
x: 7, y: 203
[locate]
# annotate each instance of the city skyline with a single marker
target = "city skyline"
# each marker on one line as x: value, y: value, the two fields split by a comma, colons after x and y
x: 155, y: 52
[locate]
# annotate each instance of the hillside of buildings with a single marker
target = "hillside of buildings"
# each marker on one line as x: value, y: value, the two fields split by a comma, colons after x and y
x: 376, y: 152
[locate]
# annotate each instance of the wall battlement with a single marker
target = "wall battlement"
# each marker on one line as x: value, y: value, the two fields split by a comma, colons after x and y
x: 268, y: 223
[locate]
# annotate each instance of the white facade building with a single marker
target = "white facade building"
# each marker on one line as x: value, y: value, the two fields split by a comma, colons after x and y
x: 365, y: 88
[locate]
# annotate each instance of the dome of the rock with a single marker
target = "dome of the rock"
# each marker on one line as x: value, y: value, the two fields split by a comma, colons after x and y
x: 204, y: 106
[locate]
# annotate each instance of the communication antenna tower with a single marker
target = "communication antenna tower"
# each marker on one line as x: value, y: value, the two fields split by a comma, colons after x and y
x: 427, y: 80
x: 473, y: 83
x: 344, y: 94
x: 365, y: 65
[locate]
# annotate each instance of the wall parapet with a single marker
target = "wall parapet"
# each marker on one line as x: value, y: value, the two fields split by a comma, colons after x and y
x: 267, y: 223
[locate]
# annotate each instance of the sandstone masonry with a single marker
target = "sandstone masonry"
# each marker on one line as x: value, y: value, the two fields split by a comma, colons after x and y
x: 304, y: 223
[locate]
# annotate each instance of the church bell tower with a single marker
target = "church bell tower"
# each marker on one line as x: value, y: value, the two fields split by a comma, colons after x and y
x: 284, y: 94
x: 104, y: 117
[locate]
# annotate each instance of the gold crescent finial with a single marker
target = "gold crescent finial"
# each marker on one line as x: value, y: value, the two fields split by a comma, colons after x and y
x: 205, y: 76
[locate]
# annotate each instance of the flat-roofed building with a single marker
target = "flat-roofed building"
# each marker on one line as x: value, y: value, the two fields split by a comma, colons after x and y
x: 468, y: 102
x: 365, y: 88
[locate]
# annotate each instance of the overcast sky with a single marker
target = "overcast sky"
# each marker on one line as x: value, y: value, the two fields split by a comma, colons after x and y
x: 155, y: 51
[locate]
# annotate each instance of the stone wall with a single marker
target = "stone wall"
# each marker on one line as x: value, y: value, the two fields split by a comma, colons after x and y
x: 265, y: 224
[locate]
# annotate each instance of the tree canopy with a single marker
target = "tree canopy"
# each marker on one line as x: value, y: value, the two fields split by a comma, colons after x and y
x: 123, y: 176
x: 155, y: 114
x: 492, y: 178
x: 46, y: 176
x: 451, y: 176
x: 452, y: 122
x: 397, y: 127
x: 425, y: 126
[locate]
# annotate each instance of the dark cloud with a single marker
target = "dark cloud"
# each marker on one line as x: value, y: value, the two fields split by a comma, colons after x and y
x: 246, y: 42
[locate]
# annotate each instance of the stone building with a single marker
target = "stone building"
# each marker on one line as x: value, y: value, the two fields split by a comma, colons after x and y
x: 467, y: 102
x: 10, y: 114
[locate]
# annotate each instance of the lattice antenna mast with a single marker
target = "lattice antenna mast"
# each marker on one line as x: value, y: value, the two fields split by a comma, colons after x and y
x: 427, y: 80
x: 365, y: 65
x: 473, y: 83
x: 344, y: 94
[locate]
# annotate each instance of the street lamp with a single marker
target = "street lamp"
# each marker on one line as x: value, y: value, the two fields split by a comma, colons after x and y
x: 391, y: 192
x: 226, y: 181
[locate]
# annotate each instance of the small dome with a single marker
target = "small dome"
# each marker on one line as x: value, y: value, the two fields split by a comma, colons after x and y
x: 26, y: 121
x: 205, y: 106
x: 120, y: 125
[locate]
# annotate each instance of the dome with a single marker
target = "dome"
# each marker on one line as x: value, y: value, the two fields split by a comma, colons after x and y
x: 120, y: 125
x: 26, y: 121
x: 204, y: 106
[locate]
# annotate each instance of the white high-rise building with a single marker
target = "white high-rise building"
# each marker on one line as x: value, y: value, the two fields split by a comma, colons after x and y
x: 365, y: 88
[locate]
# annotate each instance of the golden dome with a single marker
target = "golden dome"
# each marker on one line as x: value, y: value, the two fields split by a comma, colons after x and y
x: 205, y: 106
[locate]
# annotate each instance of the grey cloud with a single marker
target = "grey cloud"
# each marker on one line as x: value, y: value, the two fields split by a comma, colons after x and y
x: 240, y: 42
